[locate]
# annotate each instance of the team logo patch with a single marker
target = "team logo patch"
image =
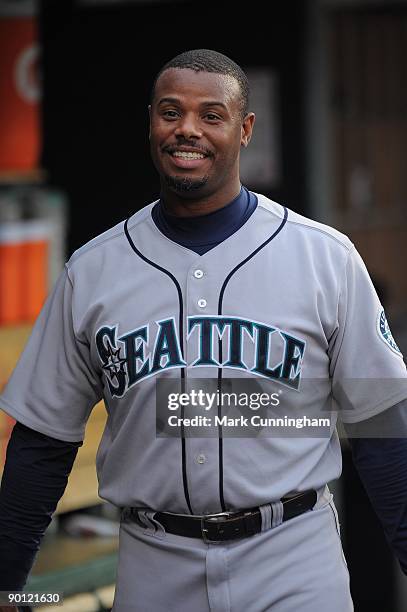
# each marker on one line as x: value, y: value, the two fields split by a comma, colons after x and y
x: 385, y: 333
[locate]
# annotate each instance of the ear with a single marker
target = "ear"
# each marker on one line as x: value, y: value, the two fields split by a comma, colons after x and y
x: 247, y: 129
x: 149, y: 114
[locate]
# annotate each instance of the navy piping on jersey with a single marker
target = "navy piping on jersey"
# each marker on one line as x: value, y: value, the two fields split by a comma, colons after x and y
x: 181, y: 310
x: 220, y: 305
x: 181, y: 331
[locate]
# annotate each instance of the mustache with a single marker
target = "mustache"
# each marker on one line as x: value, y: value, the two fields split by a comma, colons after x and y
x: 187, y: 143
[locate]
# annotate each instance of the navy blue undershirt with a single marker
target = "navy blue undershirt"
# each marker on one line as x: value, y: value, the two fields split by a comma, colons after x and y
x: 37, y: 466
x: 34, y: 479
x: 203, y: 233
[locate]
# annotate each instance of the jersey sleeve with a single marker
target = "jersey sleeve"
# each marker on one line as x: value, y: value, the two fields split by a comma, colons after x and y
x: 367, y: 368
x: 54, y: 385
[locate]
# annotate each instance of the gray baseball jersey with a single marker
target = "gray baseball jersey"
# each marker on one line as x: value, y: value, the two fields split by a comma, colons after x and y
x: 283, y: 301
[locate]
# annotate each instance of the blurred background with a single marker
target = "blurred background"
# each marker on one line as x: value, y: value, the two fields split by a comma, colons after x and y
x: 329, y: 88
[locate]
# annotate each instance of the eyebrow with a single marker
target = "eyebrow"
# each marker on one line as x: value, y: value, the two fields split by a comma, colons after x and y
x: 177, y: 101
x: 171, y: 100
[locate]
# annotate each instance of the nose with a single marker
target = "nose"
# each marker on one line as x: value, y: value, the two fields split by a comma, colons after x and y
x: 188, y: 127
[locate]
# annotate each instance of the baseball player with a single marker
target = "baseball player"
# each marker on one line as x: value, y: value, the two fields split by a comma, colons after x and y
x: 218, y: 284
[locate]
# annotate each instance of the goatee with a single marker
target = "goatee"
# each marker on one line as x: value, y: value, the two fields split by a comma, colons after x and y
x: 183, y: 184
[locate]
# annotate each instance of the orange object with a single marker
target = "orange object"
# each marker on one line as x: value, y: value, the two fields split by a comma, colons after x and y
x: 34, y: 275
x: 19, y: 94
x: 11, y: 265
x: 24, y: 265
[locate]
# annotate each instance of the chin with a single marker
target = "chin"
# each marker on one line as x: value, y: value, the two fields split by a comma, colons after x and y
x: 185, y: 184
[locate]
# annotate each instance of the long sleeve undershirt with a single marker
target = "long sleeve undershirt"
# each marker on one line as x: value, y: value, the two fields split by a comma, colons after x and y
x: 34, y: 479
x: 381, y: 463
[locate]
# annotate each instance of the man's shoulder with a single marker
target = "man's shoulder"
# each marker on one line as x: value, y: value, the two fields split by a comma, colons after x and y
x: 114, y: 237
x: 305, y: 226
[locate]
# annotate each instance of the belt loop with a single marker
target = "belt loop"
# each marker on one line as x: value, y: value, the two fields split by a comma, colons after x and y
x: 324, y: 496
x: 151, y: 525
x: 277, y: 513
x: 266, y: 514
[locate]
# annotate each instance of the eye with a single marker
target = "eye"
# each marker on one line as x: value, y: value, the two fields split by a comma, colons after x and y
x: 170, y: 114
x: 212, y: 117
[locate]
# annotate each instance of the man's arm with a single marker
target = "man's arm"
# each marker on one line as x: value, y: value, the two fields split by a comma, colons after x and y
x: 379, y: 451
x: 34, y: 479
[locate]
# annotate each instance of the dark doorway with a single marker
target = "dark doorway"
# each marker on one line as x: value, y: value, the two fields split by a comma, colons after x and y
x: 98, y: 65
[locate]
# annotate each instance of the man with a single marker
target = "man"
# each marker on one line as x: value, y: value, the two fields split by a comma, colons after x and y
x: 217, y: 284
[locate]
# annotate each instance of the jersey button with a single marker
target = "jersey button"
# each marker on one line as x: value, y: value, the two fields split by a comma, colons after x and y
x: 198, y: 273
x: 201, y: 458
x: 202, y: 303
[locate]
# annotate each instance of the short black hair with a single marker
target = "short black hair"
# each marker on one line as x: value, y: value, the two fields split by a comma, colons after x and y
x: 207, y: 60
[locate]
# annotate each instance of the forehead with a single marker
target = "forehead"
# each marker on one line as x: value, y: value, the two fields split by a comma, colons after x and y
x: 190, y: 85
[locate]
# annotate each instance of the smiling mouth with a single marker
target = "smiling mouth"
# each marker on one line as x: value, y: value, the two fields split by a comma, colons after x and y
x: 185, y: 159
x: 187, y: 150
x: 187, y: 155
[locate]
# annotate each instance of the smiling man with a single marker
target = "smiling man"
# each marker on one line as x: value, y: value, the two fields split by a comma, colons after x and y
x: 199, y: 122
x: 212, y: 284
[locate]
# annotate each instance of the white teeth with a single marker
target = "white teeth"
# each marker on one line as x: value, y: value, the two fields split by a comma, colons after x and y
x: 188, y: 155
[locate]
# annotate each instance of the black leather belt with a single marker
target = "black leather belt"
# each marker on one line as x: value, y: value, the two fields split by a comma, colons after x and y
x: 234, y: 524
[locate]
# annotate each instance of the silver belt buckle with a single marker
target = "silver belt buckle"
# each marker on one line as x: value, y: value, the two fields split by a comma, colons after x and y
x: 213, y: 518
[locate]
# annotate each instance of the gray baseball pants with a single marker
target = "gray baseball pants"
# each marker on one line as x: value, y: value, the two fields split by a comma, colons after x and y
x: 296, y: 565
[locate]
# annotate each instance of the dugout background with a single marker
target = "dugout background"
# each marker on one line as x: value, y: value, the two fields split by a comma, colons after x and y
x: 342, y: 140
x: 98, y: 68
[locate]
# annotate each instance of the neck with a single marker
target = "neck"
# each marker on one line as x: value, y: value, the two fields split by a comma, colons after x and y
x: 192, y: 205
